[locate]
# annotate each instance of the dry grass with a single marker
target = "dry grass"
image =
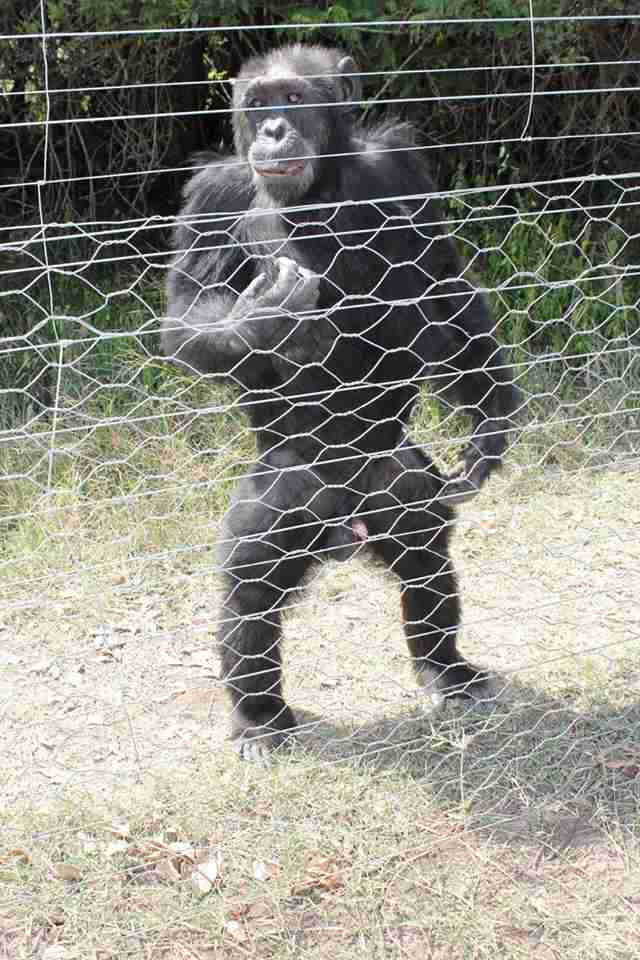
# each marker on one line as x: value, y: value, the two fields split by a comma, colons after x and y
x: 390, y: 829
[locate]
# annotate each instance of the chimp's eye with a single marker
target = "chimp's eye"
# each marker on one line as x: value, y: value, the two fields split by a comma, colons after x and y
x: 255, y: 103
x: 294, y: 98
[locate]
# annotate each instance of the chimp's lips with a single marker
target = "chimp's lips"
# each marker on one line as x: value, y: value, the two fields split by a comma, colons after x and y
x: 280, y: 168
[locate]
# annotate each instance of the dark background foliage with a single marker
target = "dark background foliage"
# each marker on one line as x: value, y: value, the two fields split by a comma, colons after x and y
x: 124, y: 107
x: 100, y: 119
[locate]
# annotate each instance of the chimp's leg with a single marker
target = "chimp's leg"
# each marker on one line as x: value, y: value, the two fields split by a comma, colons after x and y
x: 415, y: 528
x: 267, y: 548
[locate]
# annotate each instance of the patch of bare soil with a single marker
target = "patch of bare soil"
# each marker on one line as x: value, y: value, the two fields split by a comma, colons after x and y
x: 111, y: 679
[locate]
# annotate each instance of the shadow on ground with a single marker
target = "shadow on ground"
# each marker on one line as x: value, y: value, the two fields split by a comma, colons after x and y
x: 526, y: 751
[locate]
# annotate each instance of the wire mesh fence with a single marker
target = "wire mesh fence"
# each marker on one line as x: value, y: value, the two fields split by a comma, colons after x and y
x: 329, y: 463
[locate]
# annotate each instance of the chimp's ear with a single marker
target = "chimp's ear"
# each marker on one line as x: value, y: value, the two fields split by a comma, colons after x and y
x: 348, y: 79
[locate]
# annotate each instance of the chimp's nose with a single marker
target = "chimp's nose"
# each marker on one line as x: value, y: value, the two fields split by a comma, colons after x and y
x: 275, y: 128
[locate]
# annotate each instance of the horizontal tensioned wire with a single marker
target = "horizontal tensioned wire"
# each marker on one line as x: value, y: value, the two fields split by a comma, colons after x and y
x: 167, y: 487
x: 75, y: 268
x: 155, y: 556
x: 320, y: 104
x: 302, y: 602
x: 432, y: 378
x: 366, y: 74
x: 329, y: 25
x: 352, y: 386
x: 622, y: 273
x: 87, y: 229
x: 481, y: 214
x: 416, y: 148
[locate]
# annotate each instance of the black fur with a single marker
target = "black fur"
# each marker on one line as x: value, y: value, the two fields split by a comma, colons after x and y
x: 328, y: 315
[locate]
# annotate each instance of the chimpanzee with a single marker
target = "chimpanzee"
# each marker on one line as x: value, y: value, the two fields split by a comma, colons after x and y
x: 313, y: 270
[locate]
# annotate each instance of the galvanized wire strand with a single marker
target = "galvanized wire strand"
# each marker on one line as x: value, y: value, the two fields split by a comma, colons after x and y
x: 336, y: 24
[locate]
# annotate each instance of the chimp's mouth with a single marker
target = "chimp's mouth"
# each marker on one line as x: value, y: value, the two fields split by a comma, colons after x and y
x: 280, y: 168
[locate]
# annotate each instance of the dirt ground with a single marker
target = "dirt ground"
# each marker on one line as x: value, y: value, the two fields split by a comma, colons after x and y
x: 113, y: 678
x: 524, y: 815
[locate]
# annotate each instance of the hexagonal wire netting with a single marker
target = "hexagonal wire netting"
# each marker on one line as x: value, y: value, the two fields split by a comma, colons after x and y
x: 399, y: 339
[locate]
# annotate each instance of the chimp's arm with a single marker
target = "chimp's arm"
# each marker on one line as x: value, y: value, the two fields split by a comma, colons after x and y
x: 222, y: 309
x: 468, y: 370
x: 464, y: 363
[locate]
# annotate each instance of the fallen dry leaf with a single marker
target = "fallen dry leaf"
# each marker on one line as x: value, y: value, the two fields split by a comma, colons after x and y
x: 520, y: 934
x: 183, y: 850
x: 55, y: 952
x: 261, y: 912
x: 627, y: 761
x: 264, y: 870
x: 236, y: 930
x: 204, y: 877
x: 181, y: 857
x: 168, y: 871
x: 255, y: 910
x: 322, y: 874
x: 120, y: 830
x: 116, y: 847
x: 15, y: 854
x: 67, y: 871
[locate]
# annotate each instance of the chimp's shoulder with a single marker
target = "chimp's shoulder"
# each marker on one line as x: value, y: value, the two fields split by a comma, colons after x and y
x: 222, y: 185
x: 388, y: 159
x: 215, y: 199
